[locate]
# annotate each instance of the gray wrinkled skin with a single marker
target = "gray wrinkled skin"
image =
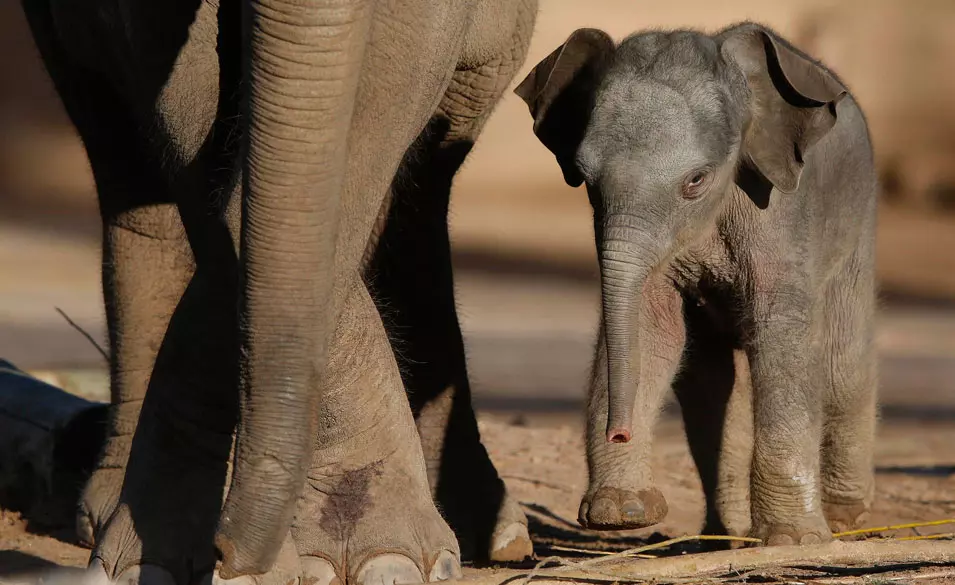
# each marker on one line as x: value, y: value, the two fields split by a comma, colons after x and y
x: 734, y: 201
x: 263, y: 167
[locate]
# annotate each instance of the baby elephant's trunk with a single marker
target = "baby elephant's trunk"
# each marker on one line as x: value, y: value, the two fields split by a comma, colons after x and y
x: 622, y: 277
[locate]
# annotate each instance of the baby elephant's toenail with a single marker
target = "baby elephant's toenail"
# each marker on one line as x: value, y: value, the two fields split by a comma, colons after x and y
x: 780, y: 540
x: 583, y: 513
x: 390, y: 569
x: 445, y: 567
x: 604, y: 511
x: 633, y: 511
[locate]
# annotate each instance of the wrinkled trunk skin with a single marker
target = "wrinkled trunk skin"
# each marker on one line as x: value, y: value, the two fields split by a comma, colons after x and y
x: 623, y: 276
x: 302, y: 70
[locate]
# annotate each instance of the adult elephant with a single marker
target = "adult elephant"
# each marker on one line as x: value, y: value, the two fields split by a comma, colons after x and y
x: 267, y: 171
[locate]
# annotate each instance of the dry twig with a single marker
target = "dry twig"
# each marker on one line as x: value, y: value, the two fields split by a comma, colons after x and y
x: 703, y: 565
x: 894, y: 527
x: 83, y: 332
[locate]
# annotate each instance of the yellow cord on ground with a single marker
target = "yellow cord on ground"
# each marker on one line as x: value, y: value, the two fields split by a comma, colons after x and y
x: 928, y: 536
x: 893, y: 527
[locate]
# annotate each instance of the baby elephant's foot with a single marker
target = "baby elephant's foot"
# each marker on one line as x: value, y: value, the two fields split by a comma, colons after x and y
x: 843, y: 516
x: 610, y: 508
x: 809, y: 532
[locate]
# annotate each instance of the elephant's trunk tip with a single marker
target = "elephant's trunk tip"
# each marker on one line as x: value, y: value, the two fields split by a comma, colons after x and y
x: 621, y: 398
x: 618, y: 435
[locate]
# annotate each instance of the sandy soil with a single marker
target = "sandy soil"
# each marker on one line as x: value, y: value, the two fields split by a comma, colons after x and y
x: 529, y: 344
x: 542, y: 460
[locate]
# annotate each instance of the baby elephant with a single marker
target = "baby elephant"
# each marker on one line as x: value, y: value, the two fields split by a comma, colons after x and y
x: 734, y: 198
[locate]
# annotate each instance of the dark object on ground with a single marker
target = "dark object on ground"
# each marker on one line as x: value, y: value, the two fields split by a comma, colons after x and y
x: 49, y: 440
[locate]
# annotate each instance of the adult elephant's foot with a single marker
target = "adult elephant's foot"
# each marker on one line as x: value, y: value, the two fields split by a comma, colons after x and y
x: 97, y: 503
x: 367, y: 518
x: 612, y: 508
x: 488, y: 521
x: 287, y: 571
x: 101, y: 493
x: 161, y: 530
x: 366, y: 515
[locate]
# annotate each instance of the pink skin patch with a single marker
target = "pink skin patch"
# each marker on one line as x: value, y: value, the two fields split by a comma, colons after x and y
x: 618, y: 436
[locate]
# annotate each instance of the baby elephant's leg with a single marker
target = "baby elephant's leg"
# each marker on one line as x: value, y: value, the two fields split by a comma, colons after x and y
x: 621, y: 494
x: 849, y: 431
x: 716, y: 401
x: 787, y: 414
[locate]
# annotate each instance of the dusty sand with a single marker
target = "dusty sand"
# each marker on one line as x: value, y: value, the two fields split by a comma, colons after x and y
x: 529, y: 342
x: 542, y: 460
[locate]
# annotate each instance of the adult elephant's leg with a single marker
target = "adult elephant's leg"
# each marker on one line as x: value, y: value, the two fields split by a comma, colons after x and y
x: 146, y: 265
x: 411, y: 276
x: 713, y: 388
x: 365, y: 514
x: 146, y: 257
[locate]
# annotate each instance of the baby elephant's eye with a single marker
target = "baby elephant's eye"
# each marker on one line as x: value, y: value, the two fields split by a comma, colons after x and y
x: 694, y: 184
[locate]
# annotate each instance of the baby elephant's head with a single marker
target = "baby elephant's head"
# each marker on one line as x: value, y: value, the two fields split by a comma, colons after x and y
x: 660, y: 128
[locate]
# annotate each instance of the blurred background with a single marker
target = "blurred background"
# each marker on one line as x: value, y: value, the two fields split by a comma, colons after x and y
x: 523, y: 239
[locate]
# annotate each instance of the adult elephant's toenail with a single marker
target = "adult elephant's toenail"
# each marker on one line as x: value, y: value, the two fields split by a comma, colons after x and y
x: 511, y: 544
x: 446, y: 566
x: 84, y: 530
x: 96, y: 574
x: 390, y: 569
x: 811, y: 538
x: 215, y: 579
x: 318, y: 571
x: 145, y: 575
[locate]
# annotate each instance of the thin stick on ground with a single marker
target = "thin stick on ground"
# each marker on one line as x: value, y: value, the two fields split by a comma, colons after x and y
x: 863, y: 554
x: 83, y: 332
x: 588, y: 551
x: 667, y: 543
x: 893, y: 527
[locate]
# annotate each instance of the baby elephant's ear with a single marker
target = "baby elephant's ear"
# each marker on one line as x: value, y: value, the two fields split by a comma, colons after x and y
x: 793, y: 103
x: 559, y: 92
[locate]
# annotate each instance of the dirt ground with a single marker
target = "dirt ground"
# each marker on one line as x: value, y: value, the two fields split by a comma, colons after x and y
x: 542, y: 460
x: 529, y: 341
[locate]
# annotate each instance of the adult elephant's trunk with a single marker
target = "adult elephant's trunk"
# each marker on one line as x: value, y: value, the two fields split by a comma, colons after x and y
x: 623, y: 274
x: 303, y: 61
